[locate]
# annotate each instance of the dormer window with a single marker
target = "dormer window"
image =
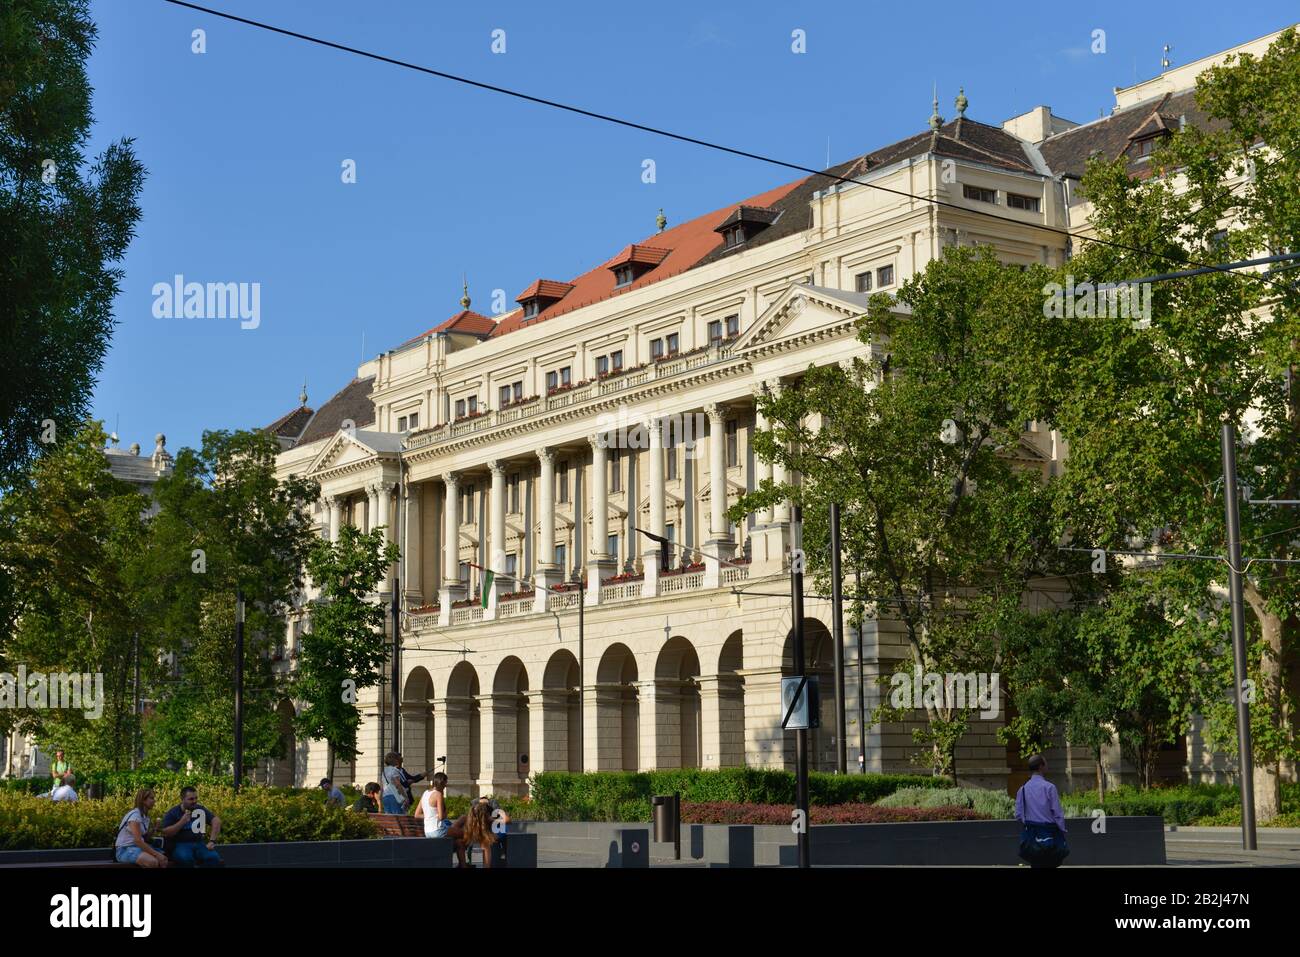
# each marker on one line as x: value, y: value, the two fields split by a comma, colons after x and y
x: 532, y: 308
x: 542, y: 294
x: 744, y: 224
x: 634, y: 262
x: 624, y: 276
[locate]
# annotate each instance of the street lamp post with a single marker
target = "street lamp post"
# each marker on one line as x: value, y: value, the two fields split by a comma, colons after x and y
x: 239, y: 687
x: 582, y: 671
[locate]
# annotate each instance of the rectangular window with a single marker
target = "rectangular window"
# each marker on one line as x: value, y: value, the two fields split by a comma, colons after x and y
x: 674, y: 342
x: 979, y: 194
x: 561, y: 554
x: 464, y: 572
x: 514, y: 493
x: 623, y: 276
x: 564, y: 376
x: 460, y: 408
x: 512, y: 565
x: 863, y: 281
x: 885, y: 276
x: 503, y: 397
x: 715, y: 330
x: 656, y: 348
x: 670, y: 533
x: 401, y: 423
x: 1027, y: 203
x: 562, y: 482
x: 616, y: 359
x: 670, y: 450
x: 473, y: 405
x: 531, y: 308
x: 733, y: 450
x: 733, y: 326
x: 552, y: 381
x: 602, y: 365
x: 611, y: 546
x: 413, y: 421
x: 517, y: 390
x: 615, y: 471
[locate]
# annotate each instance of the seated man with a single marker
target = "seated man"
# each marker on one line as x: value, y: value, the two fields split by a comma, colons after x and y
x: 184, y: 827
x: 67, y: 791
x: 369, y: 801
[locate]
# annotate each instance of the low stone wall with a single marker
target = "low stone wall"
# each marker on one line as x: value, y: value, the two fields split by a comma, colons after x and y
x: 1127, y: 841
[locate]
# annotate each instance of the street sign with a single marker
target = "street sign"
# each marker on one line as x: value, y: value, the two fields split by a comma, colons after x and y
x: 801, y: 706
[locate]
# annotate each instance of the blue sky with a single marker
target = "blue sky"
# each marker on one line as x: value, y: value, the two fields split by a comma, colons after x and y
x: 244, y: 145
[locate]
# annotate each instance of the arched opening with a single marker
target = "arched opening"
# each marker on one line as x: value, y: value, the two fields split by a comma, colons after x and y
x: 731, y: 702
x: 618, y: 711
x: 284, y: 770
x: 561, y: 746
x: 510, y: 720
x: 819, y: 662
x: 417, y: 725
x: 678, y: 733
x: 463, y: 730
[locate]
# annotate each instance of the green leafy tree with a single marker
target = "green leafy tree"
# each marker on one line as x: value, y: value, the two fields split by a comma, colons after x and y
x: 1142, y: 407
x: 62, y: 225
x: 72, y: 534
x: 944, y: 530
x: 345, y: 649
x: 225, y: 523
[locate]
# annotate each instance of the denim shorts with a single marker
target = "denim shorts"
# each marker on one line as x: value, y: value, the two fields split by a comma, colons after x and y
x: 128, y: 854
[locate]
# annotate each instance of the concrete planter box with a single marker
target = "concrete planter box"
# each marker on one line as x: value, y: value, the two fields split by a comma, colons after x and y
x: 1127, y: 841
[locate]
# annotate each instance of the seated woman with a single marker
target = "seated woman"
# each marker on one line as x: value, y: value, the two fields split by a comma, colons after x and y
x: 132, y: 843
x: 433, y: 808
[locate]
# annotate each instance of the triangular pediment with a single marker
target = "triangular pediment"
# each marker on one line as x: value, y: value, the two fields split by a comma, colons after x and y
x: 802, y: 311
x: 350, y: 447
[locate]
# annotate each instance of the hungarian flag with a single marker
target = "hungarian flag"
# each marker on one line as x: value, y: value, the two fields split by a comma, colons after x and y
x: 487, y: 587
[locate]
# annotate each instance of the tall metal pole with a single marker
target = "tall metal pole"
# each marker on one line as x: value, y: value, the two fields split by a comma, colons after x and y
x: 837, y: 614
x: 1246, y: 763
x: 239, y: 687
x: 135, y: 727
x: 801, y: 735
x: 396, y: 692
x: 582, y: 681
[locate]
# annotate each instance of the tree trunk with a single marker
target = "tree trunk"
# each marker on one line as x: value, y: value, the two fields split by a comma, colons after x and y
x: 329, y: 763
x: 1268, y: 696
x: 1101, y: 777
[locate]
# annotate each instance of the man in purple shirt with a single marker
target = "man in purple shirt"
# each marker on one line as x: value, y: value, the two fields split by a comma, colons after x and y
x: 1038, y: 808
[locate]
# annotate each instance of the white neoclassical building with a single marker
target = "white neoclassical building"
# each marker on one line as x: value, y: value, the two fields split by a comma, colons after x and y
x: 503, y: 442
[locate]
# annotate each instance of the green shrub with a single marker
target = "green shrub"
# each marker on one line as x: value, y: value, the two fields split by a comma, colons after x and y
x: 625, y: 795
x: 1181, y: 804
x: 993, y: 804
x: 255, y: 815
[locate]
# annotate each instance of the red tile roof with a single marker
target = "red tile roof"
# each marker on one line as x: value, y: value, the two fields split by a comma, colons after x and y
x: 645, y: 255
x: 464, y: 321
x: 683, y: 245
x: 546, y: 288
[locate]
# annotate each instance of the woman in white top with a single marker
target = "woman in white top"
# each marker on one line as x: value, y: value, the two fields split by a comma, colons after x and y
x: 433, y: 808
x: 131, y: 845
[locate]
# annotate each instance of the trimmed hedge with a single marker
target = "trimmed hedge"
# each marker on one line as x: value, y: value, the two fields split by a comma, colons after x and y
x: 254, y: 816
x: 720, y: 812
x: 1205, y: 804
x: 625, y: 795
x: 121, y: 783
x: 988, y: 804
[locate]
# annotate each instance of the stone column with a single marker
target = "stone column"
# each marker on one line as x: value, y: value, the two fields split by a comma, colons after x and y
x: 722, y: 719
x: 409, y: 537
x: 660, y: 716
x: 762, y: 470
x: 654, y: 432
x: 548, y: 729
x: 497, y: 537
x: 600, y: 564
x: 336, y: 516
x: 719, y: 543
x: 547, y: 574
x: 453, y: 589
x: 451, y: 736
x: 603, y: 728
x: 372, y: 506
x: 500, y: 771
x: 781, y: 513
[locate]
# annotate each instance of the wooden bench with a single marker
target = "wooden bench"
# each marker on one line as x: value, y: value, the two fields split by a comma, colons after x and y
x: 398, y: 825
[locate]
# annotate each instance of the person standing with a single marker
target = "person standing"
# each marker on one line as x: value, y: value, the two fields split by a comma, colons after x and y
x: 185, y: 828
x: 58, y: 768
x: 408, y: 779
x: 394, y: 795
x: 1038, y: 808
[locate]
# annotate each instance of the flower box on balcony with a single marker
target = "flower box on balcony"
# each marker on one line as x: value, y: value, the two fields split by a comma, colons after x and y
x: 625, y: 577
x: 566, y: 586
x: 556, y: 390
x: 425, y: 610
x: 517, y: 595
x: 465, y: 602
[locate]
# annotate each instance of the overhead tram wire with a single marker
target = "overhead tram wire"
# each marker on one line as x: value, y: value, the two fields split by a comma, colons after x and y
x: 681, y: 137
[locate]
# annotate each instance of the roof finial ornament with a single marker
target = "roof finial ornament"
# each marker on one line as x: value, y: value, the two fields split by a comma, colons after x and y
x: 961, y: 102
x: 464, y: 292
x: 936, y: 120
x: 1164, y: 60
x: 661, y: 220
x: 302, y: 396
